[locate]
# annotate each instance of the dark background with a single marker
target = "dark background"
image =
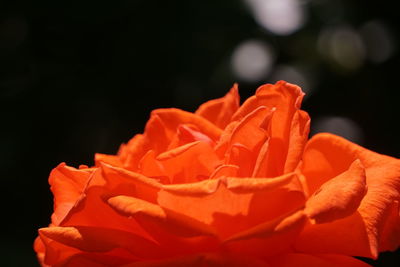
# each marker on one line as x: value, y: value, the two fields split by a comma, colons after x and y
x: 80, y: 77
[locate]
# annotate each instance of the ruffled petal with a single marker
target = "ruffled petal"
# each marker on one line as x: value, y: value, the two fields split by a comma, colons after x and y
x: 67, y: 185
x: 107, y: 181
x: 246, y: 140
x: 97, y: 239
x: 219, y: 111
x: 287, y: 125
x: 113, y: 160
x: 171, y: 118
x: 339, y: 197
x: 153, y: 216
x: 360, y: 234
x: 229, y: 204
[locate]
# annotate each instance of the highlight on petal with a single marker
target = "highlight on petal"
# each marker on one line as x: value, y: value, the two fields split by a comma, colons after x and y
x: 251, y: 185
x: 299, y: 131
x: 231, y: 205
x: 197, y: 189
x: 171, y: 221
x: 188, y: 163
x: 326, y: 156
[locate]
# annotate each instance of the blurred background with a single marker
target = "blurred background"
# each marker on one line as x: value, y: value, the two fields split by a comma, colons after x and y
x: 80, y: 77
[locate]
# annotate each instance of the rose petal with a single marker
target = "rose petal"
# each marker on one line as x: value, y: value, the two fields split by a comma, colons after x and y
x: 230, y: 207
x: 107, y: 181
x: 172, y: 222
x: 318, y: 260
x: 113, y: 160
x: 188, y: 163
x: 145, y: 187
x: 299, y: 131
x: 114, y: 257
x: 269, y: 238
x: 175, y: 232
x: 96, y: 239
x: 390, y: 236
x: 197, y: 189
x: 251, y: 185
x: 225, y: 170
x: 55, y: 253
x: 187, y: 134
x: 67, y: 185
x: 360, y: 234
x: 282, y: 94
x: 339, y: 197
x: 79, y: 260
x: 219, y: 111
x: 149, y: 166
x: 202, y: 260
x: 248, y: 132
x: 247, y: 138
x: 40, y: 250
x: 276, y: 226
x: 286, y: 99
x: 172, y: 118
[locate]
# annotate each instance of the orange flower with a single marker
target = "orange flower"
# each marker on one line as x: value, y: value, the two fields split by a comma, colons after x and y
x: 226, y: 186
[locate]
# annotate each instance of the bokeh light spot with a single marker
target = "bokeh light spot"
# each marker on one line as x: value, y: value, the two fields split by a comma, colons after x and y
x: 252, y: 60
x: 281, y: 17
x: 342, y: 45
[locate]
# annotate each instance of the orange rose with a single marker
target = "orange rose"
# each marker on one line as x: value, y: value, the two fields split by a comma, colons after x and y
x: 226, y: 186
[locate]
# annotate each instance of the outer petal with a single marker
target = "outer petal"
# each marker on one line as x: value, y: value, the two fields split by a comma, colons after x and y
x: 269, y: 238
x: 202, y: 260
x: 91, y: 210
x: 219, y: 111
x: 95, y: 239
x: 73, y: 246
x: 316, y: 260
x: 67, y: 185
x: 339, y: 197
x: 364, y: 233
